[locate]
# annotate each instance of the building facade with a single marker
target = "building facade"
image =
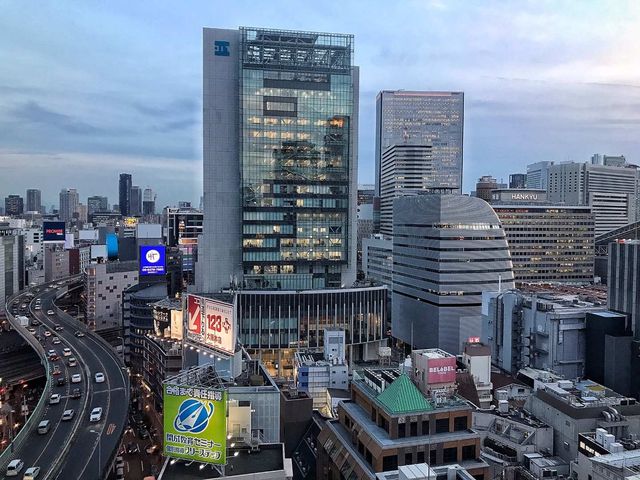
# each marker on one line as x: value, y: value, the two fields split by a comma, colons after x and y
x: 447, y: 250
x: 624, y: 281
x: 69, y: 200
x: 285, y: 104
x: 97, y: 203
x: 518, y: 180
x: 13, y: 205
x: 136, y: 201
x: 485, y: 186
x: 11, y: 264
x: 124, y: 194
x: 148, y: 202
x: 538, y: 175
x: 34, y: 200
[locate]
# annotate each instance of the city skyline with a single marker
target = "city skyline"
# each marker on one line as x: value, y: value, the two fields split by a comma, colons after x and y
x: 547, y: 87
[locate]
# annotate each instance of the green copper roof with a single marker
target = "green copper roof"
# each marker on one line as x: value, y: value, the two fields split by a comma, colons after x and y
x: 402, y: 397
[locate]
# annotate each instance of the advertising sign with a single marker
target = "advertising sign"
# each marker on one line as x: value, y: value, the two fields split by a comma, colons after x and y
x: 53, y: 232
x: 195, y: 423
x: 442, y: 370
x: 211, y: 322
x: 152, y: 260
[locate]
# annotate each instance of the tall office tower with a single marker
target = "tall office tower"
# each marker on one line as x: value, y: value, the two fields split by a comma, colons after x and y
x: 148, y: 202
x: 611, y: 190
x: 433, y: 120
x: 124, y: 194
x: 34, y: 203
x: 624, y: 281
x: 135, y: 207
x: 548, y: 242
x: 82, y: 213
x: 69, y: 200
x: 13, y: 205
x: 447, y: 250
x: 12, y: 249
x: 366, y: 193
x: 484, y: 186
x: 518, y: 180
x: 538, y: 175
x: 97, y: 203
x: 280, y: 160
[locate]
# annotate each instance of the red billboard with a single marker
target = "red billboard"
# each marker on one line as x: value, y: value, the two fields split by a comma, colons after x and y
x: 442, y: 370
x: 211, y: 323
x: 195, y: 314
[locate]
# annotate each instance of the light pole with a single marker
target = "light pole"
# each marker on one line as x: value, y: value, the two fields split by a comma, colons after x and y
x: 99, y: 456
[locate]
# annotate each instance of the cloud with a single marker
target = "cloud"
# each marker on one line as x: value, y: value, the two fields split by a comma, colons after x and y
x: 34, y: 113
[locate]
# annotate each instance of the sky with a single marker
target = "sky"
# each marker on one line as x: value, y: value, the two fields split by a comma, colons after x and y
x: 91, y: 89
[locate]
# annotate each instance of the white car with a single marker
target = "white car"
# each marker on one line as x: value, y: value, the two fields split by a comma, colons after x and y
x: 55, y: 341
x: 50, y: 312
x: 96, y: 414
x: 47, y: 333
x: 67, y: 415
x: 31, y: 473
x: 72, y: 362
x: 99, y: 377
x: 66, y: 352
x: 76, y: 378
x: 54, y: 399
x: 14, y: 467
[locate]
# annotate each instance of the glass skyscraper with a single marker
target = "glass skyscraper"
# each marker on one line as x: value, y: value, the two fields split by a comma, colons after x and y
x: 285, y: 175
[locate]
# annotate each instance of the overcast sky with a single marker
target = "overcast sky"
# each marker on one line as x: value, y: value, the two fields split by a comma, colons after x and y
x: 91, y: 89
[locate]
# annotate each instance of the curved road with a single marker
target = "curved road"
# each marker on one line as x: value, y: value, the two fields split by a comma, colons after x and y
x: 77, y: 448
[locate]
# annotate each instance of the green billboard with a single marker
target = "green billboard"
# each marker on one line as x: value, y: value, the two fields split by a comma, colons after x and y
x: 195, y: 423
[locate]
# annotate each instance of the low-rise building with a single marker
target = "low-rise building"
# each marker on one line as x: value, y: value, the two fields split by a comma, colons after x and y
x: 602, y: 456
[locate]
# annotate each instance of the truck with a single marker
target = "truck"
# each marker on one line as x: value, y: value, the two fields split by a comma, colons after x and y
x: 24, y: 321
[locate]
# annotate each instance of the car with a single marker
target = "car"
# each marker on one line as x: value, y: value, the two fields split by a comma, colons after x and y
x: 58, y: 327
x: 47, y: 333
x: 51, y: 352
x: 35, y: 323
x: 66, y: 352
x: 152, y: 449
x: 54, y: 399
x: 72, y: 362
x: 31, y: 330
x: 14, y: 467
x: 79, y: 334
x: 99, y: 377
x: 53, y: 357
x: 76, y: 378
x: 50, y: 312
x: 55, y: 341
x: 96, y: 414
x: 68, y: 414
x: 143, y: 433
x: 37, y: 307
x: 77, y: 393
x: 31, y: 473
x: 56, y: 370
x: 133, y: 448
x: 61, y: 381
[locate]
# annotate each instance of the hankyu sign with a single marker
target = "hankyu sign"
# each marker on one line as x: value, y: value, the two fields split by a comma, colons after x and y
x: 211, y: 323
x: 442, y: 370
x: 152, y: 260
x: 195, y: 423
x: 524, y: 196
x: 53, y: 232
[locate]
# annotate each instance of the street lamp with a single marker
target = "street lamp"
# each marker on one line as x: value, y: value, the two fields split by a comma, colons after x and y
x: 99, y: 456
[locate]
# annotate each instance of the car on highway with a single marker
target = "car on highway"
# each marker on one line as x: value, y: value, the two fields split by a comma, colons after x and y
x: 35, y: 323
x: 79, y: 334
x: 53, y: 356
x: 66, y: 352
x: 77, y: 393
x: 96, y: 414
x: 58, y: 327
x: 72, y: 362
x: 50, y: 312
x: 55, y: 341
x: 31, y: 330
x: 76, y: 378
x: 14, y: 467
x: 47, y: 333
x: 56, y: 370
x: 143, y: 433
x: 133, y: 447
x: 37, y: 307
x: 31, y: 473
x: 61, y: 381
x: 99, y: 377
x: 68, y: 414
x: 54, y: 399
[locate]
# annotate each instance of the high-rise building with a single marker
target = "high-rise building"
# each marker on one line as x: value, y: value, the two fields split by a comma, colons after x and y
x: 433, y: 120
x: 34, y: 201
x: 281, y: 121
x: 611, y: 190
x: 548, y: 242
x: 136, y: 201
x: 518, y: 180
x: 148, y: 202
x: 447, y: 250
x: 12, y: 249
x: 124, y: 194
x: 82, y: 213
x: 13, y: 205
x: 69, y: 200
x: 624, y: 281
x: 484, y: 186
x: 538, y: 175
x: 97, y: 203
x: 366, y: 194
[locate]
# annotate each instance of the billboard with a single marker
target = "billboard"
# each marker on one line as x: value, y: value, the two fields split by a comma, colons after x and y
x: 195, y: 423
x: 152, y: 260
x: 211, y: 323
x: 442, y: 370
x: 53, y: 232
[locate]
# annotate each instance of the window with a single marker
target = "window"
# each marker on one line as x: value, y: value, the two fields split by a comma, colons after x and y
x: 407, y: 459
x: 432, y: 457
x: 414, y: 429
x: 460, y: 423
x: 420, y: 457
x: 442, y: 425
x: 402, y: 430
x: 469, y: 452
x: 449, y: 455
x: 389, y: 463
x: 425, y: 428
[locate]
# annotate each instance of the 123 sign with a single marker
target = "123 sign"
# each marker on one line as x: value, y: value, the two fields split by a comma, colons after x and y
x: 211, y: 322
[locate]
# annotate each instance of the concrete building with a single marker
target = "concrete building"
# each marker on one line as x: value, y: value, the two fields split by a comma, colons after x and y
x: 97, y: 203
x: 69, y: 200
x: 56, y: 262
x: 34, y: 200
x: 447, y: 250
x: 477, y: 358
x: 104, y: 284
x: 365, y: 228
x: 538, y: 175
x: 293, y: 125
x: 13, y: 205
x: 184, y: 225
x: 518, y: 180
x: 377, y: 259
x: 485, y: 186
x: 11, y: 264
x: 148, y: 202
x: 389, y: 423
x: 548, y: 242
x: 124, y: 194
x: 624, y: 281
x: 136, y: 201
x: 602, y: 456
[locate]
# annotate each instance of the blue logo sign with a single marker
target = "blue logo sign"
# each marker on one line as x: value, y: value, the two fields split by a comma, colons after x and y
x: 221, y: 48
x: 152, y: 260
x: 193, y: 416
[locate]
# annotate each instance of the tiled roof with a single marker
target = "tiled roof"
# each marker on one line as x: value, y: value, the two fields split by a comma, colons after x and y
x: 402, y: 397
